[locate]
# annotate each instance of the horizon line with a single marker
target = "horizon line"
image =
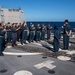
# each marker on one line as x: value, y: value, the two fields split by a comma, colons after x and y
x: 48, y: 21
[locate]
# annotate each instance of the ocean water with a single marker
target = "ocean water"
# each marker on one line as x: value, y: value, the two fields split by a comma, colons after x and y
x: 59, y: 24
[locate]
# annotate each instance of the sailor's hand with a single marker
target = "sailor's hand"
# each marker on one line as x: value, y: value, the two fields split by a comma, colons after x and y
x: 68, y: 34
x: 17, y: 29
x: 73, y: 28
x: 51, y: 28
x: 4, y: 30
x: 62, y: 26
x: 25, y: 30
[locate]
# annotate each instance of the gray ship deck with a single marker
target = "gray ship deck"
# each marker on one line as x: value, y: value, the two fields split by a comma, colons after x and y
x: 37, y: 59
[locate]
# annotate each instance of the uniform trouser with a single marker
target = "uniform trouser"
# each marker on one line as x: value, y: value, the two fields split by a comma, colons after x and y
x: 4, y: 43
x: 31, y: 36
x: 56, y: 45
x: 65, y: 41
x: 43, y: 35
x: 24, y: 37
x: 48, y: 34
x: 8, y: 36
x: 14, y: 38
x: 1, y: 45
x: 38, y: 36
x: 19, y: 35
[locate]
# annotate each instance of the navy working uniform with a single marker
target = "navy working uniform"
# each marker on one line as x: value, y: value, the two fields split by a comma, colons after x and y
x: 56, y: 42
x: 24, y: 34
x: 32, y: 33
x: 16, y: 25
x: 4, y: 42
x: 14, y: 35
x: 19, y: 33
x: 48, y: 31
x: 67, y: 28
x: 38, y: 29
x: 8, y: 28
x: 1, y: 41
x: 43, y: 29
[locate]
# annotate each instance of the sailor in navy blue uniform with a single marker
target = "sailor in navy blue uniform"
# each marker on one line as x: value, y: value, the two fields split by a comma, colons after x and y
x: 19, y: 32
x: 48, y: 31
x: 38, y: 29
x: 2, y: 33
x: 17, y: 26
x: 14, y: 34
x: 4, y: 37
x: 56, y: 42
x: 8, y: 28
x: 43, y: 30
x: 66, y: 34
x: 32, y: 33
x: 24, y: 33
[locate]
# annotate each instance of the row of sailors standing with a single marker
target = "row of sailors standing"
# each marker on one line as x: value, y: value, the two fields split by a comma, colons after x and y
x: 20, y: 33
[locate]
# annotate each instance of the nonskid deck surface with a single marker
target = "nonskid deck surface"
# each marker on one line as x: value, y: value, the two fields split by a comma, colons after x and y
x: 37, y: 61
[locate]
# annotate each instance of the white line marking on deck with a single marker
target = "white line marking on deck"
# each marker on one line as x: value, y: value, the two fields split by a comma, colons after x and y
x: 13, y: 53
x: 47, y: 64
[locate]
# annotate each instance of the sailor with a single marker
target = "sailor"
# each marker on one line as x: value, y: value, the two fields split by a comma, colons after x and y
x: 8, y: 28
x: 2, y: 33
x: 48, y: 31
x: 56, y: 41
x: 66, y: 34
x: 17, y: 26
x: 32, y: 33
x: 24, y: 33
x: 19, y: 32
x: 43, y: 30
x: 4, y: 36
x: 38, y: 29
x: 14, y: 34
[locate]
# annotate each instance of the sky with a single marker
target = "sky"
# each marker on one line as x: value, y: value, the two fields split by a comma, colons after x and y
x: 43, y: 10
